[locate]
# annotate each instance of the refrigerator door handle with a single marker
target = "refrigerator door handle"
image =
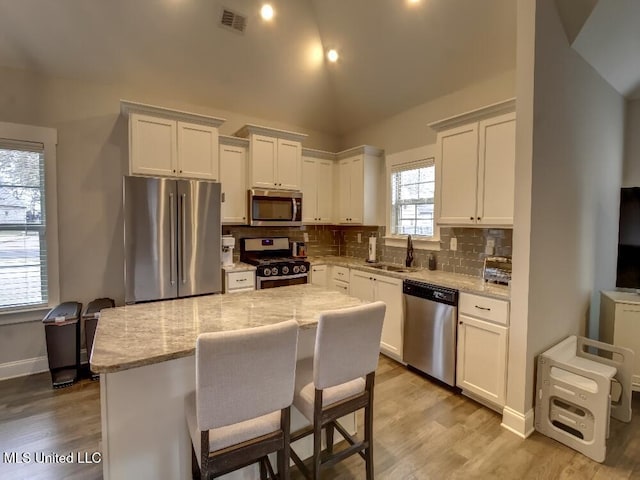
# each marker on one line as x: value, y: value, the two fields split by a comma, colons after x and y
x: 183, y: 232
x: 172, y: 220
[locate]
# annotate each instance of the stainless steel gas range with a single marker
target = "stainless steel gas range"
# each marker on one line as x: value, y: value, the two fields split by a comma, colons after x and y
x: 276, y: 267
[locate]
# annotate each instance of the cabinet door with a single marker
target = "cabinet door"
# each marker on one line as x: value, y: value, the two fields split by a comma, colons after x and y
x: 496, y: 170
x: 233, y: 161
x: 197, y: 151
x: 361, y: 285
x: 344, y: 195
x: 153, y: 147
x: 263, y: 161
x: 289, y: 164
x: 389, y: 290
x: 319, y: 275
x: 627, y: 334
x: 324, y: 179
x: 482, y: 358
x: 457, y: 175
x: 310, y: 184
x: 357, y: 190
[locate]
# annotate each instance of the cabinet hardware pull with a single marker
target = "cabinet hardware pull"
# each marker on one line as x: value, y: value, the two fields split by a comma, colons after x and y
x: 478, y: 218
x: 483, y: 308
x: 470, y: 218
x: 241, y: 280
x: 461, y: 322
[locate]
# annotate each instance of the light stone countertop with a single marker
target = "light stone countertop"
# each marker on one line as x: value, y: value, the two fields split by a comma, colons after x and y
x: 147, y: 333
x: 463, y: 283
x: 239, y: 267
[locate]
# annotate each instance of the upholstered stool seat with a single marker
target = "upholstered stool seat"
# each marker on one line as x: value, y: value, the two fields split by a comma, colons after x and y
x: 305, y: 390
x: 240, y: 411
x: 339, y: 380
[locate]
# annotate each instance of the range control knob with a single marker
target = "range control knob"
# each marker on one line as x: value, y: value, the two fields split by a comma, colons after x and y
x: 296, y: 269
x: 274, y: 271
x: 285, y: 270
x: 266, y: 272
x: 303, y: 268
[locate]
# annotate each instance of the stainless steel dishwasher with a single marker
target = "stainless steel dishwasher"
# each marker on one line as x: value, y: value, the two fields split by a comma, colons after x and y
x: 430, y: 323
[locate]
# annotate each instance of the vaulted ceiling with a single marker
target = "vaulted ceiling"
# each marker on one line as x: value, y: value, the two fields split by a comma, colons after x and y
x: 393, y: 54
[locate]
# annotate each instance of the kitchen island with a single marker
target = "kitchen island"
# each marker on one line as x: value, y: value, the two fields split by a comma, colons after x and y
x: 145, y: 356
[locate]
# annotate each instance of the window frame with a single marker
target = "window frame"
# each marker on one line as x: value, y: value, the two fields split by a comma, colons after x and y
x: 48, y: 137
x: 409, y: 158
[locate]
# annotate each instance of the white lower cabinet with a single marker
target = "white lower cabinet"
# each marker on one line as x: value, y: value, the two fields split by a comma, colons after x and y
x: 482, y: 348
x: 319, y: 275
x: 371, y: 287
x: 242, y: 281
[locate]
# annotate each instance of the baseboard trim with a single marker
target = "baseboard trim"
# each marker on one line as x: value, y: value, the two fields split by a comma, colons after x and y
x: 516, y: 422
x: 20, y: 368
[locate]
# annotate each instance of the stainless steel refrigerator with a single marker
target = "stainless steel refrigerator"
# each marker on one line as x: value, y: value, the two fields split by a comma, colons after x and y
x: 172, y: 238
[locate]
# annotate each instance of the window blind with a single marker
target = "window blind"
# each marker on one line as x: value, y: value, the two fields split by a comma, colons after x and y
x: 23, y: 246
x: 413, y: 198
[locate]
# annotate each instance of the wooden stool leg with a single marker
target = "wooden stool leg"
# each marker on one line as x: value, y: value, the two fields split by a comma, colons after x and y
x: 368, y: 437
x: 317, y: 435
x: 263, y: 469
x: 284, y: 455
x: 329, y: 433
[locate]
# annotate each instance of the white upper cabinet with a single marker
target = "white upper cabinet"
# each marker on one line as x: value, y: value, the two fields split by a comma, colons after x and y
x: 317, y: 187
x: 458, y: 172
x: 171, y: 143
x: 496, y: 170
x: 198, y: 151
x: 475, y: 164
x: 359, y: 194
x: 275, y: 157
x: 289, y: 164
x: 233, y: 176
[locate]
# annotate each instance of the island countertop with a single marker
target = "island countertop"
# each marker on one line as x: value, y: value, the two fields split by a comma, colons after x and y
x: 147, y: 333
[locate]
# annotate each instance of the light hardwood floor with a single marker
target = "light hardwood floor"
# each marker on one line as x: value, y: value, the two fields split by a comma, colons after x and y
x: 421, y: 430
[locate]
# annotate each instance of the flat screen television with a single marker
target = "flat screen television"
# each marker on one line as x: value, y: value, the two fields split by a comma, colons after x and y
x: 628, y: 271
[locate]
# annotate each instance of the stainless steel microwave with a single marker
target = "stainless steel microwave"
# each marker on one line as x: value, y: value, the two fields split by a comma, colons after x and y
x: 275, y: 208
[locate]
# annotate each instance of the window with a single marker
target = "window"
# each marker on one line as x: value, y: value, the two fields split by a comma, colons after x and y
x: 28, y: 268
x: 412, y: 199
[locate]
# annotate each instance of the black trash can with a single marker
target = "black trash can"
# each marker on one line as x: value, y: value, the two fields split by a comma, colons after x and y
x: 90, y: 317
x: 62, y: 330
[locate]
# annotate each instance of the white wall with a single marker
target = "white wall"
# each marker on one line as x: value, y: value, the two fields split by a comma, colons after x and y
x: 408, y: 129
x: 576, y: 174
x: 631, y: 177
x: 92, y: 157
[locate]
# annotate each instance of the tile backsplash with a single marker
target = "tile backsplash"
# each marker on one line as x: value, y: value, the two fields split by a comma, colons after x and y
x: 342, y: 240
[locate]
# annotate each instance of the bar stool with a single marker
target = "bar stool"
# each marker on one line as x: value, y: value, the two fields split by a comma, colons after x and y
x: 339, y: 380
x: 240, y: 411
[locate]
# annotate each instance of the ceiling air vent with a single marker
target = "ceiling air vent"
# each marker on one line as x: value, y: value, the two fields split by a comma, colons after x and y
x: 233, y: 21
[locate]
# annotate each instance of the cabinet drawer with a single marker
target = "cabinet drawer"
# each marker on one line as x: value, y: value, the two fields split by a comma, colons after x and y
x: 341, y: 286
x: 341, y: 273
x: 240, y: 280
x: 483, y: 307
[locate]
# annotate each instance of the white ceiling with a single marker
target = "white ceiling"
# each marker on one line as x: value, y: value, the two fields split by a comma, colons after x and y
x: 393, y: 56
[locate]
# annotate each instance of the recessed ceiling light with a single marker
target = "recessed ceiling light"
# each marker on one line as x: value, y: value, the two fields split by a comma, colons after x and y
x: 332, y: 55
x: 413, y: 2
x: 266, y: 12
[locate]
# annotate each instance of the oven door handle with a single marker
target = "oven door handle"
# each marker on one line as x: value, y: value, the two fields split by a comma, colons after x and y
x: 295, y: 210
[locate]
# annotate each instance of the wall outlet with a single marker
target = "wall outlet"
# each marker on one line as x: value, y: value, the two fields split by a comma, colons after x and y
x: 359, y: 238
x: 453, y: 244
x: 306, y: 237
x: 489, y: 248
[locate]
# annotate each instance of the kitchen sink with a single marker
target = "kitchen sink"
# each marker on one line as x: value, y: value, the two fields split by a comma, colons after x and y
x: 393, y: 268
